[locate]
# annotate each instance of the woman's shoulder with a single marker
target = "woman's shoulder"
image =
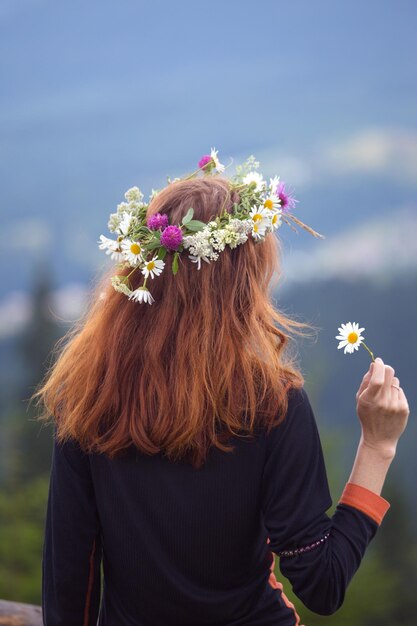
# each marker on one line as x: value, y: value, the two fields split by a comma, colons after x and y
x: 298, y: 404
x: 299, y: 421
x: 297, y: 396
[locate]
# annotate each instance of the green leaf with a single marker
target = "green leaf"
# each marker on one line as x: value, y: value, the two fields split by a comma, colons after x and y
x: 195, y: 225
x: 188, y: 216
x: 175, y: 263
x: 161, y: 253
x: 152, y: 245
x: 154, y: 242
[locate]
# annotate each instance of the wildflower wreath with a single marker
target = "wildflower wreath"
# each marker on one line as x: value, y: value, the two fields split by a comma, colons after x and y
x: 144, y: 242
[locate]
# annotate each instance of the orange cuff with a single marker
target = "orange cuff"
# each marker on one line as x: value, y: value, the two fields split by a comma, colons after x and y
x: 366, y: 501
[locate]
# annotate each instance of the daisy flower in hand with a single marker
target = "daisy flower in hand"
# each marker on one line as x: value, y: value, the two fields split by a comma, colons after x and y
x: 350, y: 338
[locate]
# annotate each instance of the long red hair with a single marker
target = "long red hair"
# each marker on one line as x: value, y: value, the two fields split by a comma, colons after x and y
x: 207, y: 360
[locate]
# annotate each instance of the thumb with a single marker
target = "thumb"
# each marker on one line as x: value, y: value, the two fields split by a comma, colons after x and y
x: 365, y: 381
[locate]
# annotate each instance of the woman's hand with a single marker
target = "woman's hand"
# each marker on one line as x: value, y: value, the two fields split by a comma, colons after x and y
x: 382, y: 409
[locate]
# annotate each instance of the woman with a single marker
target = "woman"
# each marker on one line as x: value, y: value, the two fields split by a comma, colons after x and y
x: 186, y: 453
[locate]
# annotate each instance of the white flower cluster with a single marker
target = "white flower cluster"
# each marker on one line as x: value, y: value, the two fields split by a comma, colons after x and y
x: 119, y: 285
x: 208, y: 242
x: 200, y: 246
x: 134, y: 198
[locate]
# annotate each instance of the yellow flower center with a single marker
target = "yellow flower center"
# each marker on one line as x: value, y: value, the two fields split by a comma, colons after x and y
x: 257, y: 217
x: 352, y: 338
x: 135, y: 248
x: 275, y: 218
x: 268, y: 204
x: 151, y: 265
x: 255, y: 227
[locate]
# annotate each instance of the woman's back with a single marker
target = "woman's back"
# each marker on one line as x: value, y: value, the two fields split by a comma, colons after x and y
x: 186, y: 546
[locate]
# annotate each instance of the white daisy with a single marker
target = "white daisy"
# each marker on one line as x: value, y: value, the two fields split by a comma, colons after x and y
x: 219, y: 166
x: 256, y: 179
x: 258, y: 231
x: 275, y: 217
x: 153, y: 267
x: 111, y: 247
x: 350, y: 336
x: 132, y: 251
x: 125, y: 223
x: 271, y: 202
x: 276, y: 220
x: 261, y: 222
x: 258, y: 214
x: 273, y: 185
x: 142, y: 294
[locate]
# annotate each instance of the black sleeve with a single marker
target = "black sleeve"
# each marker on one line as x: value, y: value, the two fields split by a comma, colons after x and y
x: 296, y: 497
x: 72, y: 548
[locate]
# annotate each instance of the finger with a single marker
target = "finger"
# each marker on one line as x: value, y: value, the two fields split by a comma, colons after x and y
x: 389, y: 375
x: 395, y: 381
x: 402, y: 399
x: 395, y: 390
x: 376, y: 381
x: 364, y: 383
x: 365, y: 380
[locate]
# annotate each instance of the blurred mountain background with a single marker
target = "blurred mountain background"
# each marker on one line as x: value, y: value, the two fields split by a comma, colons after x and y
x: 102, y: 96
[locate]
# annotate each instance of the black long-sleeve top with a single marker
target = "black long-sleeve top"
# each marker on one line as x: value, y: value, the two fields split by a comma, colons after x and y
x: 195, y: 547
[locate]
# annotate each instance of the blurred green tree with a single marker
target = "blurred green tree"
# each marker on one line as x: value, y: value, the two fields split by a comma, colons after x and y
x: 31, y: 440
x: 22, y: 518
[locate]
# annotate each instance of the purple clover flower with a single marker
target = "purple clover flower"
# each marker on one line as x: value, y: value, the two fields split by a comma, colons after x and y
x: 171, y: 237
x: 287, y: 199
x: 204, y: 161
x: 157, y: 221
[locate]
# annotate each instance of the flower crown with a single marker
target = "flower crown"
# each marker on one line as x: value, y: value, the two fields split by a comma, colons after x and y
x: 261, y: 209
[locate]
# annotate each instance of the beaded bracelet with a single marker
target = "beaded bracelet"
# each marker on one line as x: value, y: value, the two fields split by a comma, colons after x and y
x: 304, y: 549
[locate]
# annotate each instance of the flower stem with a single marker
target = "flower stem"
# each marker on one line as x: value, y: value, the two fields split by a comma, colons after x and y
x: 229, y: 164
x: 370, y: 352
x: 130, y: 273
x: 195, y: 173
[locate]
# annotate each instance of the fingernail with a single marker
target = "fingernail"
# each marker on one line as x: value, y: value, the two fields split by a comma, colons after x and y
x: 379, y: 359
